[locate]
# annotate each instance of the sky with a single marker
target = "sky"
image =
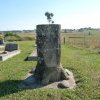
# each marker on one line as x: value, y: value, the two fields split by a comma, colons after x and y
x: 71, y: 14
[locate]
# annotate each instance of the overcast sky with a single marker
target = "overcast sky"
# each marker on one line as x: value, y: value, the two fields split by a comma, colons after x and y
x: 26, y: 14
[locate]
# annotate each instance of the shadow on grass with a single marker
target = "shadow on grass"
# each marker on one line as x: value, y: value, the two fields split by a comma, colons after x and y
x: 9, y: 87
x: 26, y: 59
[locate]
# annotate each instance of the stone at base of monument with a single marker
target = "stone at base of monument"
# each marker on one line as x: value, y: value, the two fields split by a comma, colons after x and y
x: 10, y: 51
x: 32, y: 56
x: 31, y: 82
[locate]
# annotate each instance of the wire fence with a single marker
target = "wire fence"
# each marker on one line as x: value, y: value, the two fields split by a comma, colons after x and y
x: 82, y: 41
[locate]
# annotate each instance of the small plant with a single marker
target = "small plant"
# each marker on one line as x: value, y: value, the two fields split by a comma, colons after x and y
x: 49, y: 17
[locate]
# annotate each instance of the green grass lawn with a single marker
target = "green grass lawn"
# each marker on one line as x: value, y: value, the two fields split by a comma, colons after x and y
x: 84, y: 64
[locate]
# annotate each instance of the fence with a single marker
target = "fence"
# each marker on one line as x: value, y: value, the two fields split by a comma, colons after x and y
x: 88, y: 41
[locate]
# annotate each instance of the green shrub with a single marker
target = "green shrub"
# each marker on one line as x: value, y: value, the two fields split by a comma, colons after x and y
x: 12, y: 38
x: 9, y: 34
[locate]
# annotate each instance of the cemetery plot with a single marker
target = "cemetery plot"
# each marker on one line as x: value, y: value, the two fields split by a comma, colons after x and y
x: 10, y: 51
x: 32, y: 56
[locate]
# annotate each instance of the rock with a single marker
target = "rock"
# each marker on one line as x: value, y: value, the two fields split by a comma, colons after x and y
x: 64, y: 84
x: 72, y: 83
x: 49, y: 51
x: 69, y: 73
x: 67, y: 84
x: 64, y: 75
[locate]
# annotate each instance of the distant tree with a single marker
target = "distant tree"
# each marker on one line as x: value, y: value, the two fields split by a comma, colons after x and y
x: 49, y: 17
x: 9, y: 34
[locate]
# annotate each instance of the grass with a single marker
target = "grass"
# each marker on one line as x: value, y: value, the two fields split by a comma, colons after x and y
x: 83, y: 39
x: 84, y: 64
x: 29, y: 34
x: 75, y: 38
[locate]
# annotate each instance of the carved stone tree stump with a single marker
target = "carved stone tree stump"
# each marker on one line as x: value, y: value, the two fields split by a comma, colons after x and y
x: 48, y: 67
x: 49, y: 73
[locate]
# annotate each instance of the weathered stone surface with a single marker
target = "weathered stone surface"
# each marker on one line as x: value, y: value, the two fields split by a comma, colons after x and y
x: 64, y: 75
x: 11, y: 47
x: 70, y: 83
x: 69, y: 72
x: 48, y: 51
x: 64, y: 84
x: 49, y: 73
x: 48, y: 45
x: 31, y: 82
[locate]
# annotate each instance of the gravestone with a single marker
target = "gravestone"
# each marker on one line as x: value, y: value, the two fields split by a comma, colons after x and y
x: 48, y: 68
x: 1, y: 42
x: 11, y: 47
x: 48, y: 50
x: 49, y: 72
x: 10, y: 51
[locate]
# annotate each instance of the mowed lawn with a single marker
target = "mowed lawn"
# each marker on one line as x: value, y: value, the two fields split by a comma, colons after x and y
x: 84, y: 64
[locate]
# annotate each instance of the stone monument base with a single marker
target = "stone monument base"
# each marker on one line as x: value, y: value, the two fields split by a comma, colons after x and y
x: 6, y: 54
x: 31, y: 82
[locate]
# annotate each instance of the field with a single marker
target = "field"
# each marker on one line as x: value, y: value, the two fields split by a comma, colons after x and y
x: 87, y: 39
x: 30, y: 34
x: 83, y: 63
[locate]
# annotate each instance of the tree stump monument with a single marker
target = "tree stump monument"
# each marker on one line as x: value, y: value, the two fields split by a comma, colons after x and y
x: 49, y: 69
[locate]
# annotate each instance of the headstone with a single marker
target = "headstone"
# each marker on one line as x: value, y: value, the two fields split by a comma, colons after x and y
x: 49, y: 73
x: 1, y: 42
x: 48, y: 45
x: 32, y: 56
x: 48, y: 68
x: 11, y: 47
x: 10, y: 51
